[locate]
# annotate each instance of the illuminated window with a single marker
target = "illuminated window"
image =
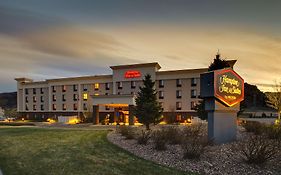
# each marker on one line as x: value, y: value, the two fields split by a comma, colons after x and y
x: 161, y: 83
x: 178, y: 82
x: 161, y: 95
x: 64, y: 107
x: 178, y: 93
x: 178, y: 117
x: 193, y: 105
x: 85, y: 96
x: 178, y: 105
x: 96, y: 94
x: 97, y: 86
x: 193, y: 82
x: 193, y: 93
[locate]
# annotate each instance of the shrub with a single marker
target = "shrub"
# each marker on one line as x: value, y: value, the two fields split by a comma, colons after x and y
x: 173, y: 134
x: 273, y: 132
x: 159, y: 140
x: 126, y: 131
x: 254, y: 126
x: 194, y: 141
x: 258, y: 149
x: 143, y: 137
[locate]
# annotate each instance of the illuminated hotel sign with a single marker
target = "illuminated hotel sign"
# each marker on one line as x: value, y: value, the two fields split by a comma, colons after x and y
x: 132, y: 74
x: 228, y: 87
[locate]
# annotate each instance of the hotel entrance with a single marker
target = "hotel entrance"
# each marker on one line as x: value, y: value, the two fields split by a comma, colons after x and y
x: 123, y: 106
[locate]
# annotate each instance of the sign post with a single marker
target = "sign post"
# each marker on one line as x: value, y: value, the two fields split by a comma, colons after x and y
x: 222, y: 90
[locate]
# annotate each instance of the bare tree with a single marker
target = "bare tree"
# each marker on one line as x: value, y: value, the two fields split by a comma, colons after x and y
x: 274, y: 98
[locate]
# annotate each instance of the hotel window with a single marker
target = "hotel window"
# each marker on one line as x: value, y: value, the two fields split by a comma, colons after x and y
x: 34, y: 99
x: 63, y: 97
x: 106, y: 93
x: 54, y: 98
x: 26, y: 107
x: 75, y: 87
x: 85, y: 87
x: 41, y: 91
x: 178, y: 117
x: 34, y: 91
x: 107, y: 86
x: 75, y: 106
x: 162, y: 106
x: 75, y: 97
x: 161, y: 95
x: 96, y: 94
x: 64, y: 107
x: 119, y: 85
x: 178, y: 82
x: 26, y: 99
x: 85, y: 96
x: 161, y: 83
x: 54, y: 107
x: 34, y: 107
x: 133, y: 84
x: 178, y: 93
x: 63, y: 88
x: 193, y: 82
x: 85, y: 107
x: 97, y: 86
x: 119, y: 93
x: 178, y: 105
x: 41, y: 98
x: 26, y: 91
x: 193, y: 93
x: 54, y: 88
x: 42, y: 107
x: 107, y: 108
x: 193, y: 105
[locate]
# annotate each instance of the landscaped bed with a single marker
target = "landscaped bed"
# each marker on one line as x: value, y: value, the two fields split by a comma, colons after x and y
x: 216, y: 159
x: 68, y: 151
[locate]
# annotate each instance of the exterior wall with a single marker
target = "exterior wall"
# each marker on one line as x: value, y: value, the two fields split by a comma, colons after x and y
x: 88, y: 83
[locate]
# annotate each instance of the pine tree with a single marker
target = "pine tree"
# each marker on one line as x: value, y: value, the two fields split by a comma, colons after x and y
x: 148, y: 109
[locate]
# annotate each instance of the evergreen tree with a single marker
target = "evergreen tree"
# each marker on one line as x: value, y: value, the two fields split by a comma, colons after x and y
x: 218, y: 63
x: 148, y: 109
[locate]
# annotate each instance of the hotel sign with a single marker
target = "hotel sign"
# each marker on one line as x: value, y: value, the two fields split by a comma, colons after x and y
x: 132, y: 74
x: 228, y: 87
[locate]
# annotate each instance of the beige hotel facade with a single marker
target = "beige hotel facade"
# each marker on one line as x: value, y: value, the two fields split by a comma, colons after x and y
x: 110, y: 97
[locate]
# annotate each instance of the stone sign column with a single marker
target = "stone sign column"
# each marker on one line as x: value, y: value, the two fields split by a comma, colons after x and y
x: 96, y: 117
x: 222, y: 91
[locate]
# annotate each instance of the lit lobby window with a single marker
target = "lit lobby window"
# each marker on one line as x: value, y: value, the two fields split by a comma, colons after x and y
x: 178, y: 81
x: 85, y: 96
x: 97, y: 86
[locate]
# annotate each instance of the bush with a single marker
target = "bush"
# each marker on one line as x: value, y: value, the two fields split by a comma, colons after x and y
x: 173, y: 134
x: 159, y: 140
x: 143, y: 137
x: 273, y: 132
x: 126, y: 131
x: 258, y: 149
x: 194, y: 141
x: 254, y: 126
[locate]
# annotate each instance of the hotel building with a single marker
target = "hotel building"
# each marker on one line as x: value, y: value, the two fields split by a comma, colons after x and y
x: 110, y: 96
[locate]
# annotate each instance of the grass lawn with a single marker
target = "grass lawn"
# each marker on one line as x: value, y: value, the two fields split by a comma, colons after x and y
x: 68, y: 151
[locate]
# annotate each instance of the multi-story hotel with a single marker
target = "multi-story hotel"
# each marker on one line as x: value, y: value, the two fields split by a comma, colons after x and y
x: 110, y: 96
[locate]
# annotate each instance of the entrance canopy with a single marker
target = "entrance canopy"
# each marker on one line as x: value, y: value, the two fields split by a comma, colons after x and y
x: 114, y: 100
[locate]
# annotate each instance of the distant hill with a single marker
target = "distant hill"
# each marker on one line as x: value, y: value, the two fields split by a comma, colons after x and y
x: 8, y: 100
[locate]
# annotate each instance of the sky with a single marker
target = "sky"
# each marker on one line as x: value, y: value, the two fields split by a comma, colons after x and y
x: 42, y: 39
